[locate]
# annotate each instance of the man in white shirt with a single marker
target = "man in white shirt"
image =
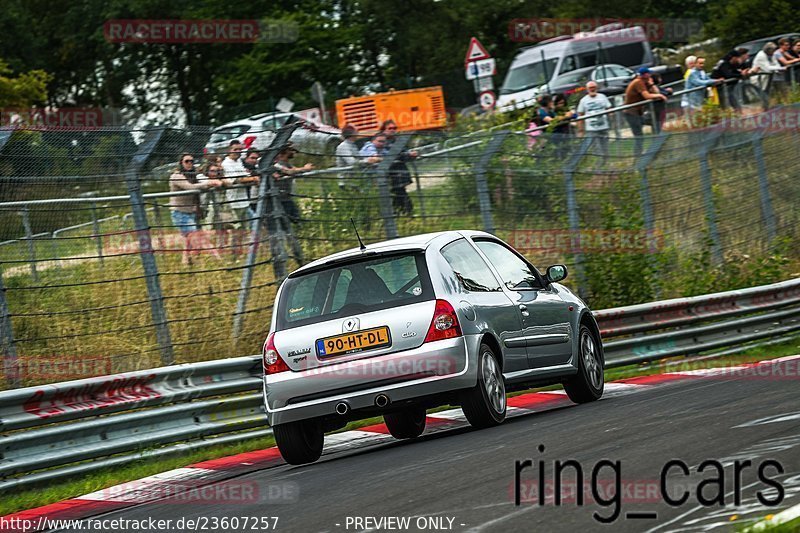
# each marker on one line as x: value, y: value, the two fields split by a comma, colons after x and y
x: 347, y: 155
x: 237, y: 197
x: 596, y: 126
x: 764, y: 64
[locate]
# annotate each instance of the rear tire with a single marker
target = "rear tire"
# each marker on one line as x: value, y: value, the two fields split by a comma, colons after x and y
x: 406, y: 424
x: 299, y: 442
x: 484, y: 405
x: 587, y: 384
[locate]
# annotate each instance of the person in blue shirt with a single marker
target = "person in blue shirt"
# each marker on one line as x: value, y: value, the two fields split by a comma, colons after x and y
x: 698, y: 78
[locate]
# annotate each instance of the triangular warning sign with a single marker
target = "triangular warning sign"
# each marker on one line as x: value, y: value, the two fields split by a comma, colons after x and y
x: 476, y: 51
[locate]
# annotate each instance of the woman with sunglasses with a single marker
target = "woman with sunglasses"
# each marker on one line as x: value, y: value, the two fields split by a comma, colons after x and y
x: 185, y: 209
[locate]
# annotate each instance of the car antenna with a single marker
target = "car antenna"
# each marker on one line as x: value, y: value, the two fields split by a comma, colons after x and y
x: 360, y: 242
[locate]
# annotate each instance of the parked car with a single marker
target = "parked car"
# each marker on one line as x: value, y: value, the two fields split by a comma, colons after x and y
x: 537, y: 66
x: 259, y: 130
x: 611, y: 80
x: 394, y: 328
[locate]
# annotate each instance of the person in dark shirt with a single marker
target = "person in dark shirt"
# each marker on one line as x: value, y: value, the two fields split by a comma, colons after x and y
x: 729, y: 68
x: 638, y: 90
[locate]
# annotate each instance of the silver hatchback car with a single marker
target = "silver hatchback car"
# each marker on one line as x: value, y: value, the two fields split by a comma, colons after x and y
x: 397, y: 327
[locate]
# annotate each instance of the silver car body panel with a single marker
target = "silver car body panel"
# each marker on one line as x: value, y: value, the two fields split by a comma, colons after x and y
x: 537, y: 346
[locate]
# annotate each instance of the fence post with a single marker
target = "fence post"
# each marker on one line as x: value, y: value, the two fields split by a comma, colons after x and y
x: 481, y: 183
x: 10, y: 361
x: 98, y: 238
x: 154, y: 293
x: 708, y: 196
x: 767, y: 214
x: 266, y: 192
x: 26, y: 222
x: 420, y: 194
x: 573, y: 213
x: 644, y: 194
x: 384, y: 190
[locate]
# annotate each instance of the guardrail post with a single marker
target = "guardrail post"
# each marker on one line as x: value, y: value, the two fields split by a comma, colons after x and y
x: 384, y: 189
x: 708, y: 197
x: 267, y: 192
x: 26, y: 223
x: 481, y: 183
x: 54, y: 250
x: 147, y: 256
x: 572, y: 210
x: 10, y: 361
x: 767, y: 214
x: 97, y: 236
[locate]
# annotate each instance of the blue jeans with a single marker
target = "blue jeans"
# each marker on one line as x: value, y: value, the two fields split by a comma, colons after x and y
x: 636, y: 122
x: 186, y: 222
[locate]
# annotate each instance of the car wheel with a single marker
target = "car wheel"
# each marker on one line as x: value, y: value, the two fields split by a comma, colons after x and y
x: 299, y: 442
x: 484, y: 405
x: 406, y: 424
x: 587, y: 384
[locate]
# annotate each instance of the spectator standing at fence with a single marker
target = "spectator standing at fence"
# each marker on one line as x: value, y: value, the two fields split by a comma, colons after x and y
x: 596, y: 126
x: 794, y: 51
x: 766, y: 65
x: 785, y: 60
x: 250, y: 164
x: 235, y: 170
x: 729, y: 68
x: 218, y: 214
x: 185, y: 209
x: 636, y: 92
x: 347, y: 155
x: 284, y: 180
x: 693, y: 101
x: 399, y: 175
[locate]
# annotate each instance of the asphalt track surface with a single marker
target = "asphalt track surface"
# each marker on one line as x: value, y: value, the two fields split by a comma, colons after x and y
x: 464, y: 478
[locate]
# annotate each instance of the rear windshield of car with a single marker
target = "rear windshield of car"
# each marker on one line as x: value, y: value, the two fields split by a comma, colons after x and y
x: 353, y: 288
x: 226, y: 134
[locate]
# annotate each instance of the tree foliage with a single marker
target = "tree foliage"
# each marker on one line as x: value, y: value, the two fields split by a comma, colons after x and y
x: 347, y: 45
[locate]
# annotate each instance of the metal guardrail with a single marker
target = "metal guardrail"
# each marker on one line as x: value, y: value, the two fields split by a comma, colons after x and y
x: 63, y: 429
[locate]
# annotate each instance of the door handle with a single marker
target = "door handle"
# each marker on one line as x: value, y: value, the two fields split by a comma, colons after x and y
x: 524, y: 309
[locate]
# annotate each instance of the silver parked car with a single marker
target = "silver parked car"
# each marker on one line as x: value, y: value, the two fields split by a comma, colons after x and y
x: 394, y: 328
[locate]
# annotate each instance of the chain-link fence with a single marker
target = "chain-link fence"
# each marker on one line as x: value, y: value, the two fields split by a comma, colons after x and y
x: 103, y: 270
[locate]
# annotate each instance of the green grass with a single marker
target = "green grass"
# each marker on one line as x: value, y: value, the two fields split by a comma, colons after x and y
x: 792, y: 526
x: 59, y: 490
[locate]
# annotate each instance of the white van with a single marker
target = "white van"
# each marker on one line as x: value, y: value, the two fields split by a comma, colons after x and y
x: 536, y: 66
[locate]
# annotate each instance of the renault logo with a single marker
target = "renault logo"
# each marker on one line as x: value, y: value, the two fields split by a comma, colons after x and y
x: 351, y: 324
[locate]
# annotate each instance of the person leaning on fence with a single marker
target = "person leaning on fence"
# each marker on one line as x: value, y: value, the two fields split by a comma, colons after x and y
x: 399, y: 175
x: 785, y: 60
x: 237, y: 197
x: 595, y: 126
x: 765, y: 65
x: 693, y: 101
x: 729, y: 68
x: 219, y: 215
x: 637, y: 91
x: 185, y: 209
x: 347, y: 155
x: 284, y: 180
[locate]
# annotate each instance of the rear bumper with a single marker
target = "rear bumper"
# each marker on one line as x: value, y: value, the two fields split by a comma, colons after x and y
x: 433, y: 368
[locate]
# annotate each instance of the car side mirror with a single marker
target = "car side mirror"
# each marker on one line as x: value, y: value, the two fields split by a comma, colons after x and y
x: 556, y: 273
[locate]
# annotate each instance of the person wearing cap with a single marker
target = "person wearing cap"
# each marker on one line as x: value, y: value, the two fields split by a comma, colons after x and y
x: 729, y: 68
x: 638, y: 90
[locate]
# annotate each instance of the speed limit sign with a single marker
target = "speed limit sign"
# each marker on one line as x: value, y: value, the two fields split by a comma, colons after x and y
x: 487, y: 99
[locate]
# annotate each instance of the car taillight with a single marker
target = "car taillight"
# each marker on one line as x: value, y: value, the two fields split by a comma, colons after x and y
x: 249, y: 141
x: 444, y: 324
x: 273, y: 362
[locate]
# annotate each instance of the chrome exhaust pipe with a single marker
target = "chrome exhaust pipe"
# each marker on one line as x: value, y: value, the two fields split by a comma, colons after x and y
x: 381, y: 400
x: 342, y: 408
